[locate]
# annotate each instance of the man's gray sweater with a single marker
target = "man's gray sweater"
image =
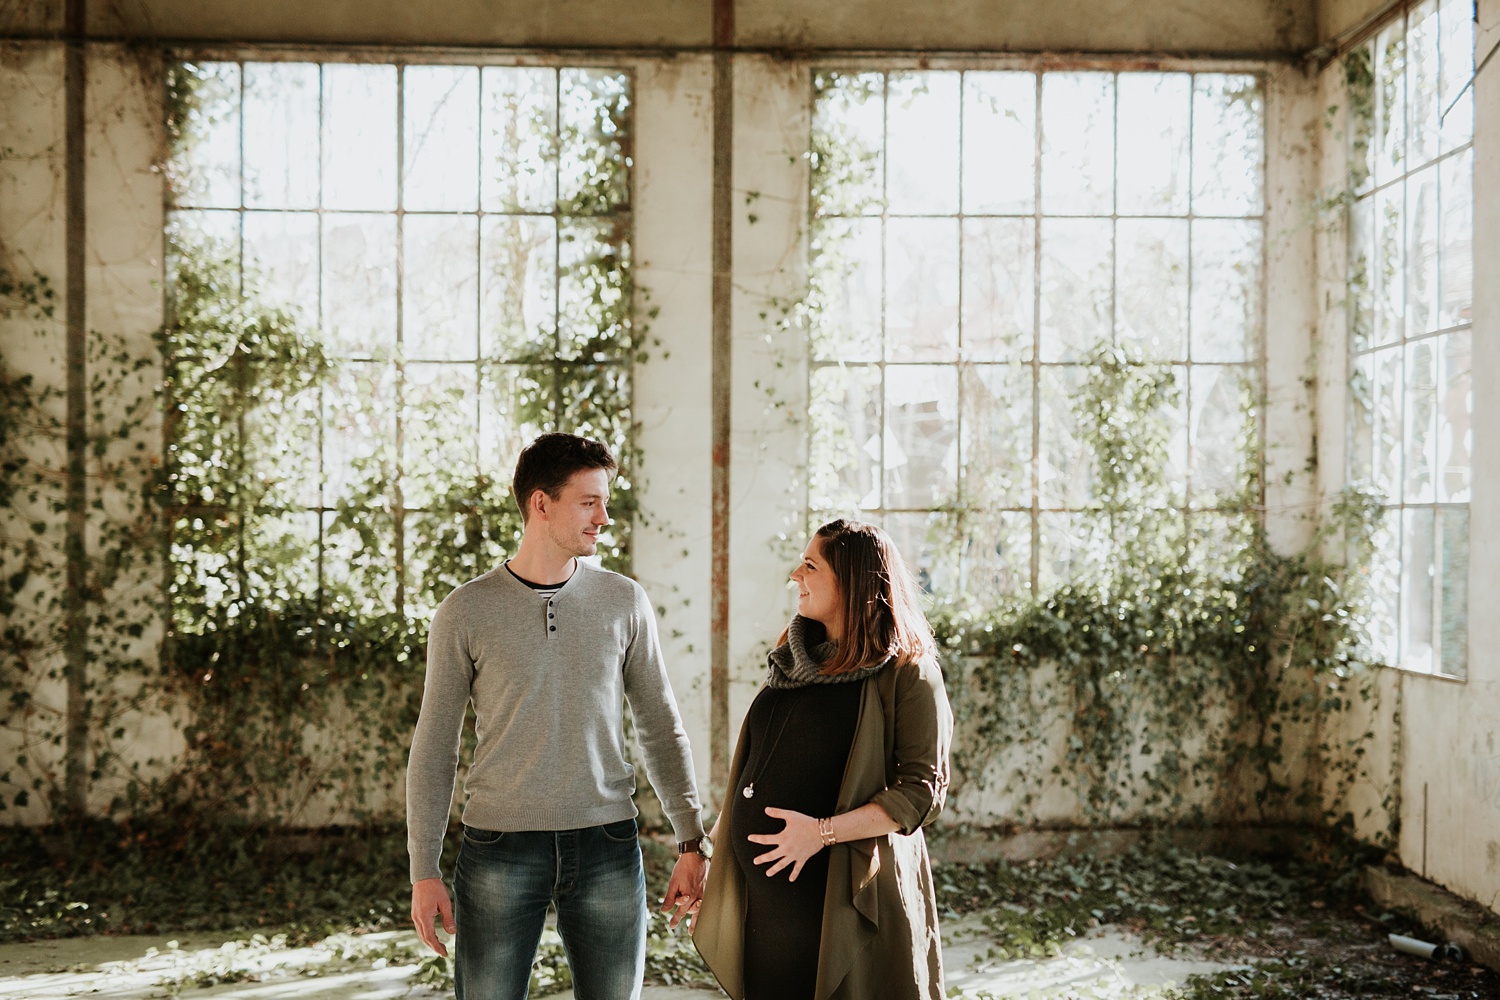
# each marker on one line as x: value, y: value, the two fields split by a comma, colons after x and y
x: 548, y: 678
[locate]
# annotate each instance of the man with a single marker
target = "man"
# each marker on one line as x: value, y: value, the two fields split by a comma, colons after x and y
x: 548, y: 648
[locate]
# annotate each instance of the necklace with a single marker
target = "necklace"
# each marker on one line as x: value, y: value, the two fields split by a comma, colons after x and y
x: 760, y: 771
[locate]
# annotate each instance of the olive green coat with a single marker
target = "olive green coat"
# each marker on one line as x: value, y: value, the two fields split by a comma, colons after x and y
x: 880, y: 926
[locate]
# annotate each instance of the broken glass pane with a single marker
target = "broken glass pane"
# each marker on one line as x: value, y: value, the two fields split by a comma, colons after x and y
x: 995, y: 563
x: 999, y: 289
x: 1390, y: 265
x: 593, y: 292
x: 999, y: 143
x: 1422, y: 84
x: 204, y: 168
x: 1078, y: 139
x: 922, y: 143
x: 1455, y: 415
x: 594, y: 116
x: 1421, y: 421
x: 1456, y: 23
x: 1151, y: 288
x: 843, y: 467
x: 921, y: 439
x: 1422, y: 251
x: 1456, y: 197
x: 844, y: 295
x: 281, y: 114
x: 1453, y: 596
x: 359, y: 284
x: 1418, y: 574
x: 440, y: 288
x: 518, y: 275
x: 439, y: 424
x: 359, y: 137
x: 1229, y: 145
x: 848, y: 144
x: 921, y: 289
x: 440, y: 136
x: 1075, y: 548
x: 281, y: 261
x: 929, y: 549
x: 996, y: 456
x: 1155, y: 118
x: 519, y: 139
x: 1077, y: 273
x: 1390, y: 102
x: 1226, y: 290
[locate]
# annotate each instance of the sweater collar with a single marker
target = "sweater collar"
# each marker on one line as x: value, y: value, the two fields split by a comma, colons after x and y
x: 797, y: 664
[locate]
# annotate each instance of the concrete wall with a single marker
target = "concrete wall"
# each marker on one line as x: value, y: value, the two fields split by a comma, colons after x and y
x: 1251, y: 27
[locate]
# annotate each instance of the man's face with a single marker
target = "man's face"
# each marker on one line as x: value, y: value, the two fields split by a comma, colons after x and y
x: 572, y: 520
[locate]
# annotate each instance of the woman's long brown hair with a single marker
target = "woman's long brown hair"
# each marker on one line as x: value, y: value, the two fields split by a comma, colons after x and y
x: 881, y: 616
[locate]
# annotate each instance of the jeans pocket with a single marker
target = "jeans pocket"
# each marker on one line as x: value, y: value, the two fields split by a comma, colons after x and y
x: 621, y: 831
x: 482, y: 838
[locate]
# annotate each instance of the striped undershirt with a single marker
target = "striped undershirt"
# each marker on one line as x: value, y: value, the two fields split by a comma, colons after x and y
x: 545, y: 590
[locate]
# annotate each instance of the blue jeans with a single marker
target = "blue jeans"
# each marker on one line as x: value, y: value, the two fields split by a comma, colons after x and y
x: 503, y: 883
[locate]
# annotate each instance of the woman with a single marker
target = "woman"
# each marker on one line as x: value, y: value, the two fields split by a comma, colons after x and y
x: 822, y: 888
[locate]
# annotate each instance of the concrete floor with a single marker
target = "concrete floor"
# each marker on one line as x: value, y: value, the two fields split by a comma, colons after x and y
x: 1108, y: 964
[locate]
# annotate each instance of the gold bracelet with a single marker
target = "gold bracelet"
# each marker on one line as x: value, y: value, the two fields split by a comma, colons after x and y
x: 825, y: 832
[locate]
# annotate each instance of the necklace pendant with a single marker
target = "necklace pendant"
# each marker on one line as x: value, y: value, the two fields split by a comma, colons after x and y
x: 749, y: 791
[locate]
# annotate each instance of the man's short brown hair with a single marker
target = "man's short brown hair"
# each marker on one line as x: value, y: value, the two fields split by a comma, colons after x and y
x: 548, y: 463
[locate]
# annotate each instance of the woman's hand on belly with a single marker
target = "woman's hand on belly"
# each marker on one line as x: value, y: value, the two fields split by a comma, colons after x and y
x: 797, y: 841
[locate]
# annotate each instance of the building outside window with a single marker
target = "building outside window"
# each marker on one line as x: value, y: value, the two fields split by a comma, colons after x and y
x: 1410, y: 280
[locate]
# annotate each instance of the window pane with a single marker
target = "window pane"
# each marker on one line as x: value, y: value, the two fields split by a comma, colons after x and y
x: 281, y: 252
x: 1455, y: 444
x: 1390, y: 102
x: 1077, y: 268
x: 359, y: 435
x: 203, y: 237
x: 1362, y: 274
x: 359, y: 284
x: 593, y: 136
x: 205, y: 164
x: 1224, y: 436
x: 515, y: 405
x: 1421, y: 421
x: 1456, y: 190
x: 1359, y: 93
x: 359, y: 575
x: 440, y: 288
x: 1390, y: 265
x: 996, y: 452
x: 1218, y: 543
x: 439, y: 423
x: 844, y: 295
x: 519, y: 139
x: 1078, y: 136
x: 593, y: 291
x: 848, y: 143
x: 921, y: 289
x: 594, y: 400
x: 1226, y: 290
x: 359, y: 137
x: 282, y: 441
x: 999, y: 289
x: 921, y: 443
x: 999, y: 132
x: 1453, y: 597
x: 281, y: 116
x: 1456, y: 20
x: 1389, y: 395
x: 1422, y: 84
x: 1074, y: 547
x: 1361, y: 434
x: 1418, y: 573
x: 1383, y: 576
x: 1422, y: 252
x: 929, y: 549
x: 276, y: 566
x: 1151, y: 287
x: 996, y: 560
x: 843, y: 467
x: 1228, y: 145
x: 518, y: 273
x: 1065, y: 466
x: 922, y: 143
x: 1155, y: 115
x: 441, y: 139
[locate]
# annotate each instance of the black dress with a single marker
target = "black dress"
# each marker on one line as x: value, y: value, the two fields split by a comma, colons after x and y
x: 799, y: 746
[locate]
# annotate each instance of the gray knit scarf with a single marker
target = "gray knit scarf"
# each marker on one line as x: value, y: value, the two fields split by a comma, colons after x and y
x: 796, y: 664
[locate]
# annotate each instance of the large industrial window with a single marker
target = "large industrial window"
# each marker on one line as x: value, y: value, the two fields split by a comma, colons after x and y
x: 1411, y: 277
x: 454, y: 242
x: 979, y: 238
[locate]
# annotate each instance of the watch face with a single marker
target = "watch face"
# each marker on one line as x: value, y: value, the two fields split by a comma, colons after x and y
x: 706, y: 847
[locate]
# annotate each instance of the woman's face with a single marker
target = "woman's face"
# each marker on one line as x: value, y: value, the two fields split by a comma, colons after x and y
x: 818, y: 595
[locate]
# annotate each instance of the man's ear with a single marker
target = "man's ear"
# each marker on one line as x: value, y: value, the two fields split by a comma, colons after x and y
x: 539, y: 503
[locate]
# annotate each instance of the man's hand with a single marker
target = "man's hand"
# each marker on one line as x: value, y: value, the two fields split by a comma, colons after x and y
x: 685, y: 888
x: 429, y: 897
x: 793, y: 845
